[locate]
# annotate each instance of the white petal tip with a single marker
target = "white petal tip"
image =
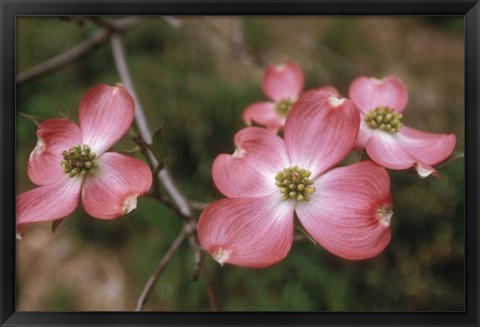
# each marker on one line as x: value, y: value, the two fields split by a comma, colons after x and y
x: 280, y: 67
x: 239, y: 152
x: 40, y: 147
x: 19, y: 236
x: 424, y: 171
x: 384, y: 215
x: 334, y: 101
x: 220, y: 256
x: 130, y: 204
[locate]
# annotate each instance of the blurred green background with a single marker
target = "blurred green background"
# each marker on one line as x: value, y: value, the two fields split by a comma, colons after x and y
x: 190, y: 78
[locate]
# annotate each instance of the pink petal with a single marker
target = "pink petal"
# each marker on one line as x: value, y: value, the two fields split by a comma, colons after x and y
x: 254, y: 232
x: 369, y: 93
x: 251, y: 170
x: 364, y: 134
x: 106, y: 113
x: 113, y: 189
x: 384, y: 149
x: 328, y: 88
x: 349, y: 214
x: 263, y: 113
x: 54, y: 137
x: 320, y: 130
x: 48, y: 202
x: 283, y: 81
x: 428, y: 148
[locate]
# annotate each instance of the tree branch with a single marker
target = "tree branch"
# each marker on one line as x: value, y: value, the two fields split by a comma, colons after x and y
x: 182, y: 205
x: 239, y: 48
x: 78, y: 50
x: 211, y: 294
x: 142, y: 126
x: 147, y: 289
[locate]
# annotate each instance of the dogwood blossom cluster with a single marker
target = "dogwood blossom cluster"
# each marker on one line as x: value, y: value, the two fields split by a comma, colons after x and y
x: 287, y: 167
x: 270, y: 180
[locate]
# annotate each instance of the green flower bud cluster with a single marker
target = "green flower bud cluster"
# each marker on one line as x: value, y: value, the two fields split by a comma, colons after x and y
x: 78, y: 161
x: 384, y: 118
x: 294, y: 183
x: 283, y: 106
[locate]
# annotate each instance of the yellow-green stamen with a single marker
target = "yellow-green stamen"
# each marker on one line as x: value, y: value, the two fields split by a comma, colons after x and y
x: 385, y: 119
x: 294, y: 183
x: 78, y: 161
x: 283, y: 106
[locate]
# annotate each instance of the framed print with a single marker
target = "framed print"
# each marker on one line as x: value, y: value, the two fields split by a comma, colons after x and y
x: 255, y: 163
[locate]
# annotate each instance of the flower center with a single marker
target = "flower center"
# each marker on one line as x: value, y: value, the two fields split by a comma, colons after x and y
x: 283, y: 106
x: 78, y: 161
x: 294, y: 183
x: 384, y: 118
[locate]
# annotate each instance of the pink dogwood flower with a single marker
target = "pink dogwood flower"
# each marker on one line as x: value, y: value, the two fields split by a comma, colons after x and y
x: 347, y: 210
x: 70, y: 160
x: 282, y: 84
x: 386, y: 140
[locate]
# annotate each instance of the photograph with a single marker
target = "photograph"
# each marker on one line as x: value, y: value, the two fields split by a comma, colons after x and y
x: 255, y: 163
x: 240, y: 163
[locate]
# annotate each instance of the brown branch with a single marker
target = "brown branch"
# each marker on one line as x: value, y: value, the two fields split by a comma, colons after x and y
x: 78, y: 50
x: 181, y: 206
x: 198, y: 205
x: 239, y: 48
x: 211, y: 294
x: 142, y: 126
x: 197, y: 267
x: 147, y: 289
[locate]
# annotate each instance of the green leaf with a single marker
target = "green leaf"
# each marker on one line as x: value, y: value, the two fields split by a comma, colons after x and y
x: 37, y: 120
x: 158, y: 147
x: 132, y: 151
x: 67, y: 115
x: 456, y: 155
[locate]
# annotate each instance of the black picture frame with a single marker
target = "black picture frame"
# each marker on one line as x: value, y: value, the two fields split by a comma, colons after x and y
x: 10, y: 9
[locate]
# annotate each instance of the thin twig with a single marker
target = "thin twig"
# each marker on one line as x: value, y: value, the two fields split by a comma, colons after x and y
x: 181, y: 203
x: 142, y: 125
x: 198, y: 205
x: 103, y: 22
x: 77, y: 51
x: 211, y: 294
x: 197, y: 267
x: 239, y: 48
x: 147, y: 289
